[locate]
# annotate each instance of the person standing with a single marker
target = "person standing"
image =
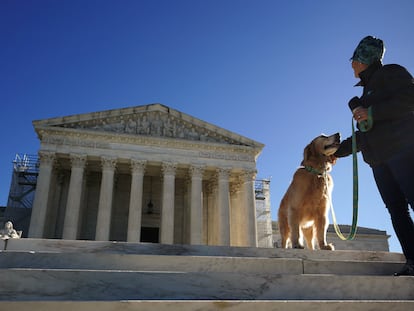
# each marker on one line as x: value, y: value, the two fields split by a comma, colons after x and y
x: 385, y: 136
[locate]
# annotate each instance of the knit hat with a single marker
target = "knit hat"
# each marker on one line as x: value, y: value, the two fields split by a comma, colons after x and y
x: 369, y: 50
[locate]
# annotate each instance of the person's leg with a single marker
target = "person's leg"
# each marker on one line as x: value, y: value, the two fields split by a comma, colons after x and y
x: 397, y: 205
x: 402, y: 168
x: 394, y: 181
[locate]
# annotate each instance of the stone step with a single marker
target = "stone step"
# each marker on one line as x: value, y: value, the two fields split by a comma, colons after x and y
x: 78, y: 285
x: 208, y: 305
x: 45, y: 275
x: 134, y: 262
x: 78, y: 246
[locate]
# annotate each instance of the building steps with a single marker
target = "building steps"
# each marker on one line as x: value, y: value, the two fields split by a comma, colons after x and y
x: 209, y: 305
x: 136, y: 262
x: 82, y: 275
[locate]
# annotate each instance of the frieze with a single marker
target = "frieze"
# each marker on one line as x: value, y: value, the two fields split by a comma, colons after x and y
x: 88, y: 140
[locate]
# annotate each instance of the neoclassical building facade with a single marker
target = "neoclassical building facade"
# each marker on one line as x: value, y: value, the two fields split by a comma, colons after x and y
x: 148, y: 173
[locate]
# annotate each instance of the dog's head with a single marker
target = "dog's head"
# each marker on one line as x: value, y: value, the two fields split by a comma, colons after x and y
x: 321, y: 149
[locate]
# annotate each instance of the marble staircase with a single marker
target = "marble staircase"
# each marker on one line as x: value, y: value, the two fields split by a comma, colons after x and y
x: 40, y: 274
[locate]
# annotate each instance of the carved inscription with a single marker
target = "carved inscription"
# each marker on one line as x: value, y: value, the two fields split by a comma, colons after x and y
x: 223, y: 156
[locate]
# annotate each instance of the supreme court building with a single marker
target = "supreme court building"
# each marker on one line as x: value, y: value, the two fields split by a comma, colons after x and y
x: 148, y: 173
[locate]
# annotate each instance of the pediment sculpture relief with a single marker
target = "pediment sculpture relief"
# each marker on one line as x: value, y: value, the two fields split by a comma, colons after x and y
x: 154, y: 124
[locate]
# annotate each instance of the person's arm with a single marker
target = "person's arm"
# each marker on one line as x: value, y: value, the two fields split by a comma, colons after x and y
x: 345, y: 149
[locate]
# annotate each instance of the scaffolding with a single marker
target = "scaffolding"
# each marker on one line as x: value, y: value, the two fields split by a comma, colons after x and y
x: 24, y: 179
x: 263, y: 214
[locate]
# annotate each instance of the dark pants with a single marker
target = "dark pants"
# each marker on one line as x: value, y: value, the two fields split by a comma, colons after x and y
x: 395, y: 182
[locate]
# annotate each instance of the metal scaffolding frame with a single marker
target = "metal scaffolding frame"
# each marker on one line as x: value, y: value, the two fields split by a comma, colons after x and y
x: 24, y: 179
x: 263, y: 214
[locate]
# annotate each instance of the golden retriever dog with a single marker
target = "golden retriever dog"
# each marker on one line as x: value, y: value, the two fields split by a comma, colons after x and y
x: 303, y: 211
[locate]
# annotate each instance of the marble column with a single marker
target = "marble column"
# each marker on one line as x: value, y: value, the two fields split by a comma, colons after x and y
x: 135, y: 201
x: 223, y: 207
x: 211, y: 203
x: 236, y: 219
x: 196, y: 205
x: 41, y: 200
x: 249, y: 208
x: 71, y: 223
x: 167, y: 208
x: 103, y: 222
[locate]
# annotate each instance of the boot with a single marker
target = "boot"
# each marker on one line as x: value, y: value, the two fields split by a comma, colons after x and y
x: 407, y: 270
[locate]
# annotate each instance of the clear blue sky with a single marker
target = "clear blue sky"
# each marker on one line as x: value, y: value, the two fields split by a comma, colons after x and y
x: 275, y: 71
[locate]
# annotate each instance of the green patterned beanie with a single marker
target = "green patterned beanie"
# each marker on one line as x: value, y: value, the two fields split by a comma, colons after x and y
x: 369, y: 50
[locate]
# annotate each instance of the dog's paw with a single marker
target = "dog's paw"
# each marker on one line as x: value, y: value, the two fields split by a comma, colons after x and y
x: 298, y: 246
x: 328, y: 247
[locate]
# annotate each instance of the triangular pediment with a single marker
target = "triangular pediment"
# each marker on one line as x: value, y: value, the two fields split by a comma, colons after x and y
x: 153, y: 120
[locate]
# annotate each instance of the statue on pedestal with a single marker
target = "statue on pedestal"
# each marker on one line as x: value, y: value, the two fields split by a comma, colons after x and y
x: 9, y: 232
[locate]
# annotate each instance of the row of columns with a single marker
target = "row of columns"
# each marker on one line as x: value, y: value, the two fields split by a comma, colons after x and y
x: 73, y: 205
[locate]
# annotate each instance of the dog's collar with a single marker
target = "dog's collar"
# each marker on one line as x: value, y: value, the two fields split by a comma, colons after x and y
x: 314, y: 171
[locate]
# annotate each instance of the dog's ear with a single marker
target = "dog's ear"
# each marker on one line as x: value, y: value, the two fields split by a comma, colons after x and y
x: 308, y: 151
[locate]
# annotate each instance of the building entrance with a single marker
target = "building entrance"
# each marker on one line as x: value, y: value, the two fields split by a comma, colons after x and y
x: 150, y: 235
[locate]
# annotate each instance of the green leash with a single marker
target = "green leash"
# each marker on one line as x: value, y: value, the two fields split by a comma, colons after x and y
x: 353, y: 230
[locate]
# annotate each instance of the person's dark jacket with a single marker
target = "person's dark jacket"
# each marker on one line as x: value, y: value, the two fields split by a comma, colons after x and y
x: 389, y: 92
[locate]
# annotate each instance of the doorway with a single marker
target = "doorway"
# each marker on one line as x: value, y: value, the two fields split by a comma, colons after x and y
x: 150, y: 235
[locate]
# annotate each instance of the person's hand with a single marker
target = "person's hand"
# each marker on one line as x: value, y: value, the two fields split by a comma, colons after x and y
x: 360, y: 114
x: 354, y: 102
